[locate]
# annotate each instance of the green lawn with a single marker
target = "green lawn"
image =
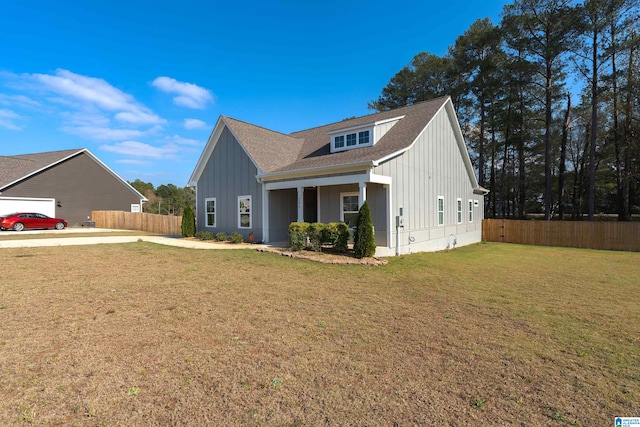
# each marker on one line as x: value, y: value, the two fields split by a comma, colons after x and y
x: 492, y: 334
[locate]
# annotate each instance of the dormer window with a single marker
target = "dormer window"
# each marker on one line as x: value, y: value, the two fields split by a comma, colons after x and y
x: 364, y: 135
x: 353, y: 139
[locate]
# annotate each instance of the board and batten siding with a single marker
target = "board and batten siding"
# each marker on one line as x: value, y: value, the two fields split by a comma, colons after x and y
x: 432, y: 167
x: 229, y: 173
x: 79, y: 185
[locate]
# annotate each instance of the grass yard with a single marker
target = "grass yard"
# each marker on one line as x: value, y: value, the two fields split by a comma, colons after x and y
x: 492, y: 334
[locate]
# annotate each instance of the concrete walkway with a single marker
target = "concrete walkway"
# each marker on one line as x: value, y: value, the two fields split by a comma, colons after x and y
x: 74, y: 241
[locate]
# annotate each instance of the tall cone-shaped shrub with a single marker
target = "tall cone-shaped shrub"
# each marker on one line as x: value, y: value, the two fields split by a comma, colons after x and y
x: 188, y: 226
x: 364, y: 242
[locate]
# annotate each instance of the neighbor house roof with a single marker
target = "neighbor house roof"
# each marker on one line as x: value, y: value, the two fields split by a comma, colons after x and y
x: 308, y: 151
x: 14, y: 169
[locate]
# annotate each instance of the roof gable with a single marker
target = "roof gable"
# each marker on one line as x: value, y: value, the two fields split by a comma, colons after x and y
x: 14, y: 169
x: 308, y: 151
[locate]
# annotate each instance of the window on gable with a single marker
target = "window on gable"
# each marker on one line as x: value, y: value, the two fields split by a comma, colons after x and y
x: 351, y: 139
x: 349, y: 205
x: 339, y: 141
x: 211, y: 211
x: 459, y: 206
x: 440, y: 210
x: 244, y: 211
x: 363, y: 137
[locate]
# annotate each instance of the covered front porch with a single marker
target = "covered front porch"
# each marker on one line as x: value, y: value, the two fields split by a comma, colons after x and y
x: 327, y: 199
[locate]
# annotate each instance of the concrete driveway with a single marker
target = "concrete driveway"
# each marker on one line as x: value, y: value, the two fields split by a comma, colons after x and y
x: 74, y: 241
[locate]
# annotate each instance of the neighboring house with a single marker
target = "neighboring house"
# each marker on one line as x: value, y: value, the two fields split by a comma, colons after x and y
x: 411, y: 164
x: 67, y: 184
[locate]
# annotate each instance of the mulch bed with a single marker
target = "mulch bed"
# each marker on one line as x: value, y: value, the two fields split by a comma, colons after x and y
x: 326, y: 257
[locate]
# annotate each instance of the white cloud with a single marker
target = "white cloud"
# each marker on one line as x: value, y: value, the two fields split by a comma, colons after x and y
x: 103, y: 133
x: 138, y: 117
x: 92, y: 104
x: 8, y: 119
x: 140, y: 149
x: 185, y: 141
x: 188, y: 94
x: 134, y: 162
x: 194, y: 124
x: 18, y: 100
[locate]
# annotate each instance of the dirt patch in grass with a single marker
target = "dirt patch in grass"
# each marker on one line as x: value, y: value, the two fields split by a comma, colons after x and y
x: 143, y: 334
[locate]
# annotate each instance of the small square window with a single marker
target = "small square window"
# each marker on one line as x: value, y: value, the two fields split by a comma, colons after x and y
x: 363, y: 137
x: 351, y: 139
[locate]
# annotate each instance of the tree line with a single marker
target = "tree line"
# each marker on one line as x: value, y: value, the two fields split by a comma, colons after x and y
x: 549, y: 104
x: 165, y: 199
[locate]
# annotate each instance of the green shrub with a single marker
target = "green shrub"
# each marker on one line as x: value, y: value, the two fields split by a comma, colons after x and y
x: 364, y: 242
x: 236, y: 238
x: 330, y: 233
x: 341, y: 244
x: 204, y: 235
x: 314, y: 233
x: 298, y: 232
x: 221, y: 237
x: 188, y: 226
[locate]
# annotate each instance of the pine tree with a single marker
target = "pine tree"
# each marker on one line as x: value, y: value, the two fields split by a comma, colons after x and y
x: 364, y: 242
x: 188, y: 226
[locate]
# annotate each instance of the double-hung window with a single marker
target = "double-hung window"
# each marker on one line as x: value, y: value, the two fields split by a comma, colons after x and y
x: 440, y: 210
x: 210, y: 205
x: 349, y: 204
x: 351, y: 139
x: 459, y: 211
x: 363, y: 137
x: 339, y: 141
x: 244, y: 211
x: 470, y: 210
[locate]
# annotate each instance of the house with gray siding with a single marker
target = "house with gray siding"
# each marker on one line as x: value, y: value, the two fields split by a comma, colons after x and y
x: 411, y: 164
x: 65, y: 184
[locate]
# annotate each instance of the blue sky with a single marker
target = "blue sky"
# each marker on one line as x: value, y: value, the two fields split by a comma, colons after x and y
x: 142, y: 83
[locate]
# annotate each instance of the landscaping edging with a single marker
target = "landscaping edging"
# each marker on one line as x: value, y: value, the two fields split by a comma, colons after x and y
x: 324, y: 257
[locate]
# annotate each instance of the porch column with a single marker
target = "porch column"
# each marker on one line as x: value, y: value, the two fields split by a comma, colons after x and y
x: 300, y: 204
x: 265, y: 214
x: 363, y: 193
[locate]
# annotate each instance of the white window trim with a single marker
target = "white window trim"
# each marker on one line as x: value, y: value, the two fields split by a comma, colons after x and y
x: 459, y: 215
x: 352, y: 193
x: 206, y: 213
x: 248, y: 196
x: 346, y: 147
x: 470, y: 210
x: 440, y: 224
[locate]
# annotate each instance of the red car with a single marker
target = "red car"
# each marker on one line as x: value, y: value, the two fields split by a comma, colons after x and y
x: 21, y: 220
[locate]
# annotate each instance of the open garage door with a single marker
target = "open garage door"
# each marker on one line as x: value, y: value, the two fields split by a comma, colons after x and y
x: 27, y: 204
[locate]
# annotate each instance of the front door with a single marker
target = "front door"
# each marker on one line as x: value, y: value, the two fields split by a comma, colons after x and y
x: 310, y: 204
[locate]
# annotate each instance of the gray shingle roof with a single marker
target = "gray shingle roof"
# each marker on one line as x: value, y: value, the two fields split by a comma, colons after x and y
x: 15, y: 168
x: 275, y: 152
x: 268, y: 149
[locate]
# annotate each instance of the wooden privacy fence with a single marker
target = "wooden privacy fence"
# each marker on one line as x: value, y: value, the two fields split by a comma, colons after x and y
x: 153, y: 223
x: 619, y: 236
